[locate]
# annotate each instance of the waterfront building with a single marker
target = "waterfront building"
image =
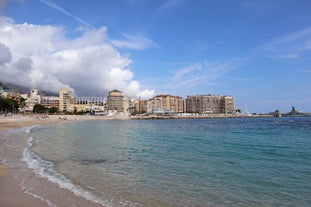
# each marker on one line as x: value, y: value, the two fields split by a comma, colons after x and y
x: 227, y: 105
x: 127, y: 104
x: 11, y: 94
x: 209, y: 104
x: 35, y: 95
x: 139, y: 106
x: 180, y: 105
x: 50, y: 101
x: 89, y: 104
x: 65, y: 100
x: 165, y: 102
x: 115, y: 101
x: 33, y: 99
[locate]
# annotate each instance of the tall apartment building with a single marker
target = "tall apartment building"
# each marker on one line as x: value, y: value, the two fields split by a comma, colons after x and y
x: 115, y: 101
x: 33, y: 99
x: 50, y: 101
x: 228, y: 106
x: 140, y: 106
x: 165, y: 102
x: 209, y: 104
x: 127, y: 105
x: 65, y: 99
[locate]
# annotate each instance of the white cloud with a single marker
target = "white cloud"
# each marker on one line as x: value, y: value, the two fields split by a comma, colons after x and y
x: 203, y: 72
x: 291, y: 46
x: 5, y: 54
x: 286, y: 56
x: 134, y: 42
x: 305, y: 47
x: 292, y: 37
x: 170, y: 4
x: 134, y: 88
x: 41, y: 56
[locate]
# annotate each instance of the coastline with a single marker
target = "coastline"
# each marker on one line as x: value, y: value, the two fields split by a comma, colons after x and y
x: 12, y: 192
x: 18, y: 192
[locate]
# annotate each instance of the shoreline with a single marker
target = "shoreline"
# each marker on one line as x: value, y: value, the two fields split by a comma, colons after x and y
x: 11, y: 190
x: 13, y: 193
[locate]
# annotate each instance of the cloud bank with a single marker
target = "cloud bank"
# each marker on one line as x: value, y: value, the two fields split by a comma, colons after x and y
x: 41, y: 56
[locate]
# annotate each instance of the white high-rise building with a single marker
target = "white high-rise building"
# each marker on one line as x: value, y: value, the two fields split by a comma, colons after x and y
x: 33, y: 99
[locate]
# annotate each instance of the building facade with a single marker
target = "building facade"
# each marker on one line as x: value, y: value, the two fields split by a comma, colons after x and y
x: 115, y: 101
x: 33, y: 99
x: 165, y: 102
x: 89, y: 104
x: 210, y: 104
x: 65, y: 100
x: 127, y: 105
x: 228, y: 106
x: 50, y: 101
x: 139, y: 106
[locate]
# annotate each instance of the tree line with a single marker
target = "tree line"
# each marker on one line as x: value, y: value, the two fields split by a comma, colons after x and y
x: 8, y: 105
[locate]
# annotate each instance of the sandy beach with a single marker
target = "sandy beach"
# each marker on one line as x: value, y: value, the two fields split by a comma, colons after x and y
x: 11, y: 192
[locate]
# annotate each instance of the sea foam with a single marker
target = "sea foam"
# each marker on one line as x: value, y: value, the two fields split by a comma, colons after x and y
x: 45, y: 169
x: 27, y: 130
x: 26, y: 190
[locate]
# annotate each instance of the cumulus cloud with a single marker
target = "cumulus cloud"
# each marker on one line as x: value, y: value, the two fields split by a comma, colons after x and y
x: 42, y: 56
x: 5, y: 54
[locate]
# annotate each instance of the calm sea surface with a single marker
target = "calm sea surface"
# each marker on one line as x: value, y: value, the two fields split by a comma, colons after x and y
x: 195, y: 162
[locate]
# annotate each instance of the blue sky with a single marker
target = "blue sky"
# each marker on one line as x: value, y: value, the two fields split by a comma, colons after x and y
x: 257, y: 51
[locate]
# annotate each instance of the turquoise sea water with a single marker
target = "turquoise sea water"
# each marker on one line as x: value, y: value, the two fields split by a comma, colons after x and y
x: 185, y: 162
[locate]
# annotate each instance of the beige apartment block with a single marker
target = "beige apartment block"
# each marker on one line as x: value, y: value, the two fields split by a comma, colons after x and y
x: 228, y: 106
x: 65, y: 100
x: 165, y: 102
x: 140, y: 106
x: 33, y: 99
x: 115, y: 101
x: 209, y: 104
x: 50, y: 101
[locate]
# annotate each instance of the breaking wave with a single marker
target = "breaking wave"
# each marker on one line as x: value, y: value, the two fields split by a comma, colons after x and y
x: 45, y: 169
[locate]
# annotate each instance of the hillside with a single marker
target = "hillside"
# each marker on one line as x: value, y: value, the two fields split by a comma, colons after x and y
x: 22, y: 89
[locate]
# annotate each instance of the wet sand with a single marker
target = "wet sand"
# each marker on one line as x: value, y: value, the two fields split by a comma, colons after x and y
x: 12, y: 193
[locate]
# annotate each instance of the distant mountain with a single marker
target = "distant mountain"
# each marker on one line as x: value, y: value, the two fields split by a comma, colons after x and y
x: 22, y: 89
x: 8, y: 86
